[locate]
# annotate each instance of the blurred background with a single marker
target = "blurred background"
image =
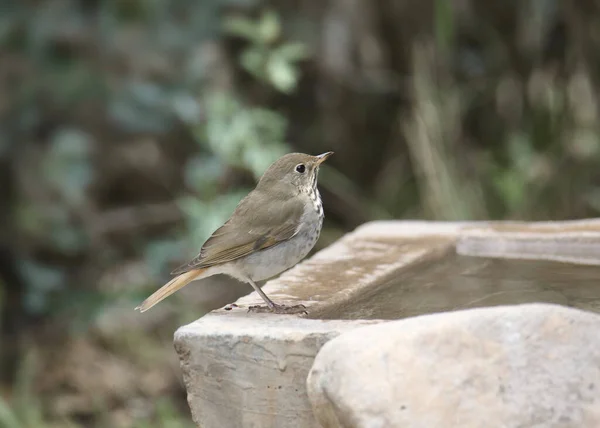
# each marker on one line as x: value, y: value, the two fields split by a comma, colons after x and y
x: 130, y: 129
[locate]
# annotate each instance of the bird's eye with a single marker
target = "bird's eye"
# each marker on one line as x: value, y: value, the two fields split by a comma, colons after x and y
x: 300, y: 168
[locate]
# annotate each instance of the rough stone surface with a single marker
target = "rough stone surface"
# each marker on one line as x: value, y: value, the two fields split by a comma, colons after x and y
x: 529, y: 366
x: 251, y: 372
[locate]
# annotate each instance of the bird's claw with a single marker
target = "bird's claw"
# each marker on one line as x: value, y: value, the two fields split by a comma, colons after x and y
x: 278, y: 309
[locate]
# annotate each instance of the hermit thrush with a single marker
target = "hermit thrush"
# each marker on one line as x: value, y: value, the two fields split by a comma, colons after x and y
x: 271, y: 230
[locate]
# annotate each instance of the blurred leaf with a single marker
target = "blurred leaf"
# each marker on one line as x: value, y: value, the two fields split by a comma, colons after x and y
x: 242, y: 27
x: 269, y: 27
x: 292, y: 51
x: 282, y: 75
x: 253, y: 61
x: 246, y: 137
x: 262, y: 31
x: 275, y: 65
x: 186, y: 108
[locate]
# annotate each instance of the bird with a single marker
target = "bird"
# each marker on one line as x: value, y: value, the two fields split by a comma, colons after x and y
x: 272, y: 229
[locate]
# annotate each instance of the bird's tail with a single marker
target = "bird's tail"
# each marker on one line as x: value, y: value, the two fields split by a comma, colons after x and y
x: 169, y: 288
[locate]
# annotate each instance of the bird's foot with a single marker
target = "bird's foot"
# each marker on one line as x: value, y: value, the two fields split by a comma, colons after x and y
x: 230, y: 306
x: 278, y: 309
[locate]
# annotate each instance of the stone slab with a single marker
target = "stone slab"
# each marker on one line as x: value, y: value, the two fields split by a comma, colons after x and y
x: 535, y: 366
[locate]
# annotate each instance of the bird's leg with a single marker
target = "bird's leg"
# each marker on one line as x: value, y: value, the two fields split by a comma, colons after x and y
x: 271, y: 305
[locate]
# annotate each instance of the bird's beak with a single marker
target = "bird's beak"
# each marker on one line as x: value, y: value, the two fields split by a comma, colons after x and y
x: 322, y: 158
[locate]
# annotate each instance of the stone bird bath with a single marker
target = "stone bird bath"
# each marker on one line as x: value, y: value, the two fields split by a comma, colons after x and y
x: 536, y: 287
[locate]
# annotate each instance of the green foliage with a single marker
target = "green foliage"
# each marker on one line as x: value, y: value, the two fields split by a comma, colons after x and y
x: 239, y: 135
x: 230, y: 134
x: 246, y: 137
x: 266, y: 58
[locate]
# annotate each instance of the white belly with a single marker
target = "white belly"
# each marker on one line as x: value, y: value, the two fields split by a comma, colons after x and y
x: 281, y: 257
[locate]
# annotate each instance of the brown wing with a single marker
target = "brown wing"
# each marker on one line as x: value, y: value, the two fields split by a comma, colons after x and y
x: 251, y: 228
